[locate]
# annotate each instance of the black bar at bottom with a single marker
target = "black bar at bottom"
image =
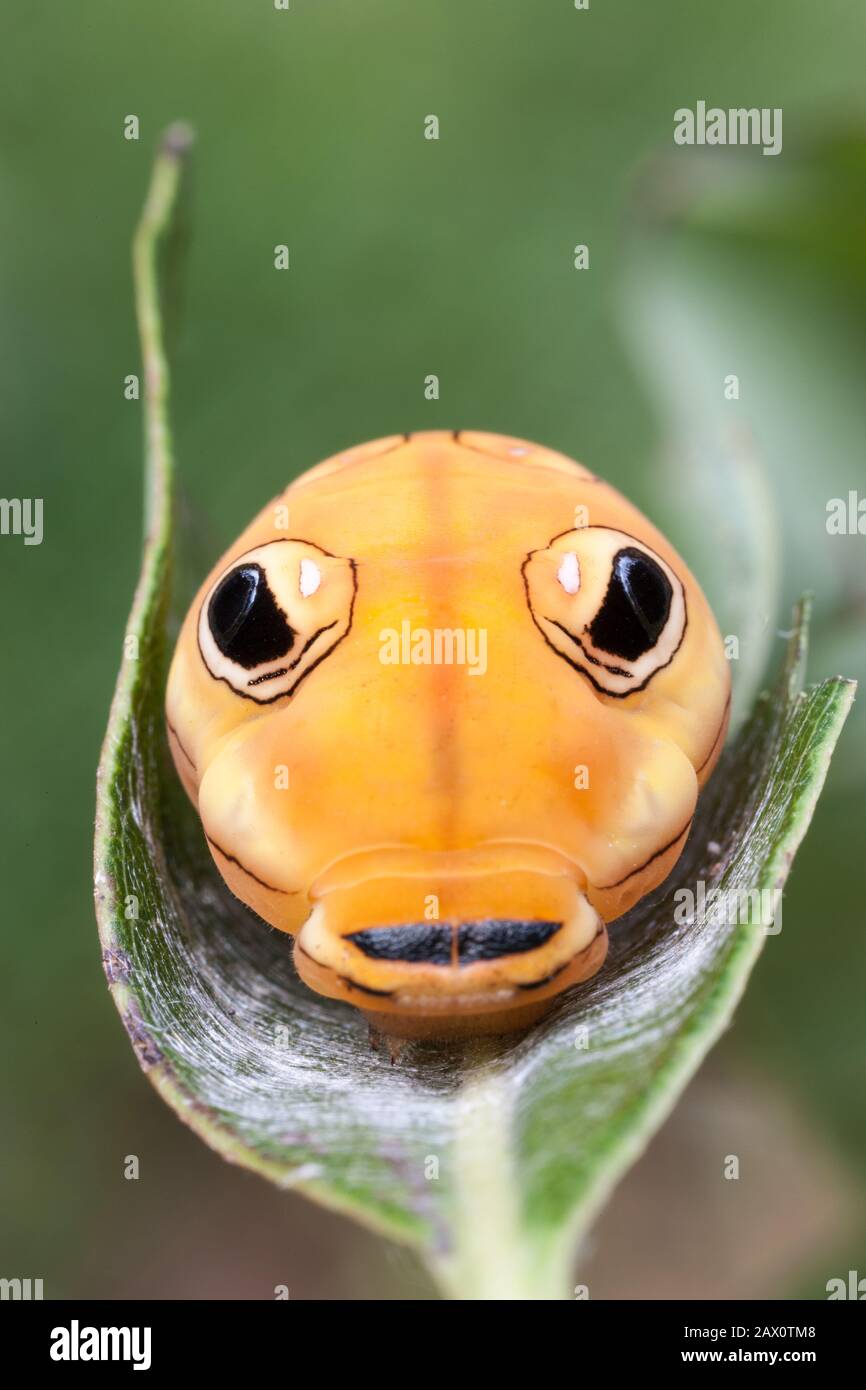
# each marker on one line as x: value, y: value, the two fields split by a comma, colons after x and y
x: 62, y: 1337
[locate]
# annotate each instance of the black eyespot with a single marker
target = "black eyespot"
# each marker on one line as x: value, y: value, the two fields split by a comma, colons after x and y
x: 635, y: 608
x: 245, y: 619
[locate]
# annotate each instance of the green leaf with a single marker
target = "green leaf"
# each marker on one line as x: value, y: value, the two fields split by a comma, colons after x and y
x: 489, y: 1158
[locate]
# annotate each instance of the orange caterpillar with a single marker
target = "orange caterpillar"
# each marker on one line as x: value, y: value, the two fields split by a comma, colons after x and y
x: 445, y: 708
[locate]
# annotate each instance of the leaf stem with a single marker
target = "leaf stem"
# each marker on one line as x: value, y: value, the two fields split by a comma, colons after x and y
x: 155, y: 230
x: 489, y: 1261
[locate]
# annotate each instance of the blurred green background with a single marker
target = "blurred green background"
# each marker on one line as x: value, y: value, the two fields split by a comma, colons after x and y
x: 411, y: 257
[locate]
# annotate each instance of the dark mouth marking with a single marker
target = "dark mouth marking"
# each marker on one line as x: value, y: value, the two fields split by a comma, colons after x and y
x: 173, y: 731
x: 433, y: 943
x: 614, y: 670
x: 272, y: 675
x: 501, y: 936
x: 576, y: 665
x: 603, y: 887
x: 416, y: 942
x: 715, y: 742
x: 287, y: 892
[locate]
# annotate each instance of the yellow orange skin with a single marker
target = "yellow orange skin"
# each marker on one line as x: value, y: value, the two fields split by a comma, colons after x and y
x: 415, y: 790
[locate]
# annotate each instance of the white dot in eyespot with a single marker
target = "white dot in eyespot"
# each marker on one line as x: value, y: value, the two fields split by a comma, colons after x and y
x: 311, y: 577
x: 568, y: 573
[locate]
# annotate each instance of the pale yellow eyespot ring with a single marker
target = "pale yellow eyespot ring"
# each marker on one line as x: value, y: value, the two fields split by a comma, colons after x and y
x: 273, y: 615
x: 608, y: 605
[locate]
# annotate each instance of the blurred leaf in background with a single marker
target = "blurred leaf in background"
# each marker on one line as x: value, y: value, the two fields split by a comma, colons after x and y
x: 738, y: 276
x: 766, y: 278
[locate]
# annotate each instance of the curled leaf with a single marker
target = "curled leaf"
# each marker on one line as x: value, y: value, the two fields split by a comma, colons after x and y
x: 489, y: 1158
